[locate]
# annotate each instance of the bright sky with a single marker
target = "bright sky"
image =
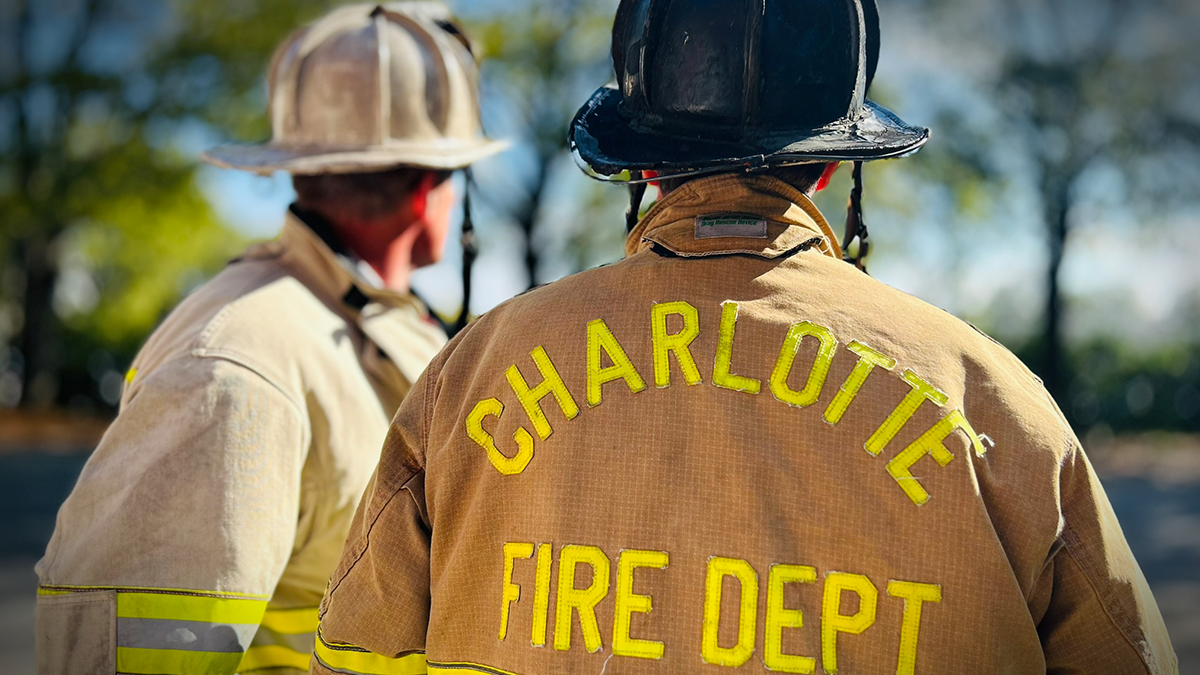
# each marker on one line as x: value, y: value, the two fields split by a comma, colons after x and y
x: 1123, y: 279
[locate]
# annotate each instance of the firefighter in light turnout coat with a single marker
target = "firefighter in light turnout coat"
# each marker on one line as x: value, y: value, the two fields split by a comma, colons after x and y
x: 732, y: 451
x: 201, y: 535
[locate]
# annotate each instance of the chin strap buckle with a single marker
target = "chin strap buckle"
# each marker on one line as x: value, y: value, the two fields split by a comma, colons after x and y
x: 856, y: 226
x: 756, y: 164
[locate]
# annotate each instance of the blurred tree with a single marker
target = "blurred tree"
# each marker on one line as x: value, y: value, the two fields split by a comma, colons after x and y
x: 103, y: 105
x: 543, y: 58
x: 1097, y: 82
x: 1085, y: 87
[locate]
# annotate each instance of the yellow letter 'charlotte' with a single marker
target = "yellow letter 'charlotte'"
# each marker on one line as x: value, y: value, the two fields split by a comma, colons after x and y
x: 931, y: 443
x: 531, y: 398
x: 600, y: 339
x: 921, y: 391
x: 722, y: 377
x: 508, y: 466
x: 787, y: 359
x: 665, y: 344
x: 868, y: 360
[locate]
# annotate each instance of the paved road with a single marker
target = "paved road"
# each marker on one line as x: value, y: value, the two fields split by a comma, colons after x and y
x: 1162, y: 523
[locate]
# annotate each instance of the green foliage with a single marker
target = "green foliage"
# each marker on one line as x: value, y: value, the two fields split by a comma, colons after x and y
x: 101, y: 116
x: 1126, y: 390
x: 1083, y: 89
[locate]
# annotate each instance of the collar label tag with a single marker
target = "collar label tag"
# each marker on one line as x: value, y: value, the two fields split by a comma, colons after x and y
x: 730, y: 225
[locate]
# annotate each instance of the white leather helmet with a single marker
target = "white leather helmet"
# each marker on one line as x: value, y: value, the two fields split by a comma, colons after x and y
x: 370, y: 87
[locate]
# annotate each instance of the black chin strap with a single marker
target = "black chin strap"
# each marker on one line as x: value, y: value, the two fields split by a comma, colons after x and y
x: 856, y: 227
x: 470, y: 249
x: 636, y: 193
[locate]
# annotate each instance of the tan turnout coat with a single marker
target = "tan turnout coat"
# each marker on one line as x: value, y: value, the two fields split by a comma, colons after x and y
x: 733, y: 452
x: 212, y: 513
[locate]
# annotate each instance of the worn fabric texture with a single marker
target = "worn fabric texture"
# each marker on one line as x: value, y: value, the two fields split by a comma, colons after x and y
x: 734, y: 451
x: 217, y: 503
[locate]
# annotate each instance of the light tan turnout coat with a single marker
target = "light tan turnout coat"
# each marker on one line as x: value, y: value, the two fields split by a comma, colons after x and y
x: 212, y: 513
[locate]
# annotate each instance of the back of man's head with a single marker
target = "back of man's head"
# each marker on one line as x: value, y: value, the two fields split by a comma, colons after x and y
x: 361, y: 197
x: 804, y: 177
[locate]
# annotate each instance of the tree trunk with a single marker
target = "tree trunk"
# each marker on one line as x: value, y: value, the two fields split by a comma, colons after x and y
x: 33, y: 250
x: 528, y: 219
x: 1054, y: 367
x: 39, y: 384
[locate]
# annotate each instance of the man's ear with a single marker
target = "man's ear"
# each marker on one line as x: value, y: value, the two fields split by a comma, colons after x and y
x: 418, y: 201
x: 830, y: 169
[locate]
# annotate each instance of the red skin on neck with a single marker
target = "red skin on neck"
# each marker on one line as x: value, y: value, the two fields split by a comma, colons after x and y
x: 412, y: 237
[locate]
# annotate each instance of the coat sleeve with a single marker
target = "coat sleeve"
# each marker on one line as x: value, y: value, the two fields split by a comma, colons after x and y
x: 165, y: 553
x: 376, y: 611
x: 1101, y: 617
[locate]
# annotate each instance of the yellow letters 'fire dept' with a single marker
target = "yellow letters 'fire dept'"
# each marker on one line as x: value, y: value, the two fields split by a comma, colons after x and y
x: 834, y: 621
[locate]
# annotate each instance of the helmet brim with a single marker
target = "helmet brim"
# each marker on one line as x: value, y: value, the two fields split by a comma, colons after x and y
x: 612, y: 145
x: 439, y: 155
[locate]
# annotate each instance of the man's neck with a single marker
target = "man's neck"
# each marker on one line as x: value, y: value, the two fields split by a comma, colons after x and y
x: 386, y: 252
x: 389, y: 254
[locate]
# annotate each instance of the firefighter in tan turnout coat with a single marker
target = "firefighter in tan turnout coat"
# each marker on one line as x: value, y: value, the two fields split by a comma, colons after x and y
x: 202, y: 533
x: 732, y: 451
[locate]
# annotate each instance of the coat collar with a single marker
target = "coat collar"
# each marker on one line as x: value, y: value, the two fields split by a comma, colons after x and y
x: 733, y: 214
x: 391, y: 321
x: 315, y: 255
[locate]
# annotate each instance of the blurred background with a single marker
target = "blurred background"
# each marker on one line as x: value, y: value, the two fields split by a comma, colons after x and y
x: 1057, y: 207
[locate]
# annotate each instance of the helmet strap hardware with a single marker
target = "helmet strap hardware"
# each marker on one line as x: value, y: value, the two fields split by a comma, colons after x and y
x: 756, y: 164
x: 637, y: 192
x: 856, y: 226
x: 470, y: 249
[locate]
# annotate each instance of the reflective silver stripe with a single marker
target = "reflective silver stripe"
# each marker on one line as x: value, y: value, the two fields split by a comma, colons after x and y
x: 195, y: 636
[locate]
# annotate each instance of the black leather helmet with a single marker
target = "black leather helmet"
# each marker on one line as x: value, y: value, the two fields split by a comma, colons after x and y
x: 713, y: 85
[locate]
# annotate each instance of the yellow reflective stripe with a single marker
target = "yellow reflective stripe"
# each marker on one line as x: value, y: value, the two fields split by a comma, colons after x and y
x: 463, y: 666
x: 140, y: 605
x: 273, y: 656
x: 60, y: 589
x: 291, y: 621
x: 174, y: 662
x: 362, y: 662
